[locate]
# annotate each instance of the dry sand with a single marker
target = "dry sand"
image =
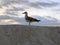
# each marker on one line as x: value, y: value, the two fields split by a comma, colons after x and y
x: 29, y: 35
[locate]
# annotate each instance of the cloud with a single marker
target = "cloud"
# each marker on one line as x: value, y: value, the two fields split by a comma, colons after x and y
x: 45, y: 4
x: 27, y: 3
x: 57, y: 10
x: 44, y: 20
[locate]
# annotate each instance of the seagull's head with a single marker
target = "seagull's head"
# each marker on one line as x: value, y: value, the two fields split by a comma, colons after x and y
x: 24, y: 13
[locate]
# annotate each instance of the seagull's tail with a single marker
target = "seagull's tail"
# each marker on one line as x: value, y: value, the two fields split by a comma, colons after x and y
x: 38, y: 20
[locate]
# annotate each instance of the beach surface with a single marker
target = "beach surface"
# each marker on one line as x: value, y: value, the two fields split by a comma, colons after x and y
x: 29, y: 35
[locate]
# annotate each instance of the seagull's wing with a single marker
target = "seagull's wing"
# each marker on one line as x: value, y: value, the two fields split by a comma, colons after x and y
x: 32, y: 19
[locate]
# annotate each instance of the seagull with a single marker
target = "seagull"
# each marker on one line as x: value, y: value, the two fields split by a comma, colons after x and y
x: 30, y: 19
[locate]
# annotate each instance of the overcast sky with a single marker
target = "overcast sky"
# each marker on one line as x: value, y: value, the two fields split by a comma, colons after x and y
x: 44, y: 8
x: 28, y: 4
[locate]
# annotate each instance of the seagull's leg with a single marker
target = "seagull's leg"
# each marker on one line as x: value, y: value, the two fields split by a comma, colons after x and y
x: 29, y: 23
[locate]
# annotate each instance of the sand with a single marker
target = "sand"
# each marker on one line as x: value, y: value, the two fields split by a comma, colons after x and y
x: 29, y: 35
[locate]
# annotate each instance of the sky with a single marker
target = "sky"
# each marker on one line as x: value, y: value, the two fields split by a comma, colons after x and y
x: 48, y: 11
